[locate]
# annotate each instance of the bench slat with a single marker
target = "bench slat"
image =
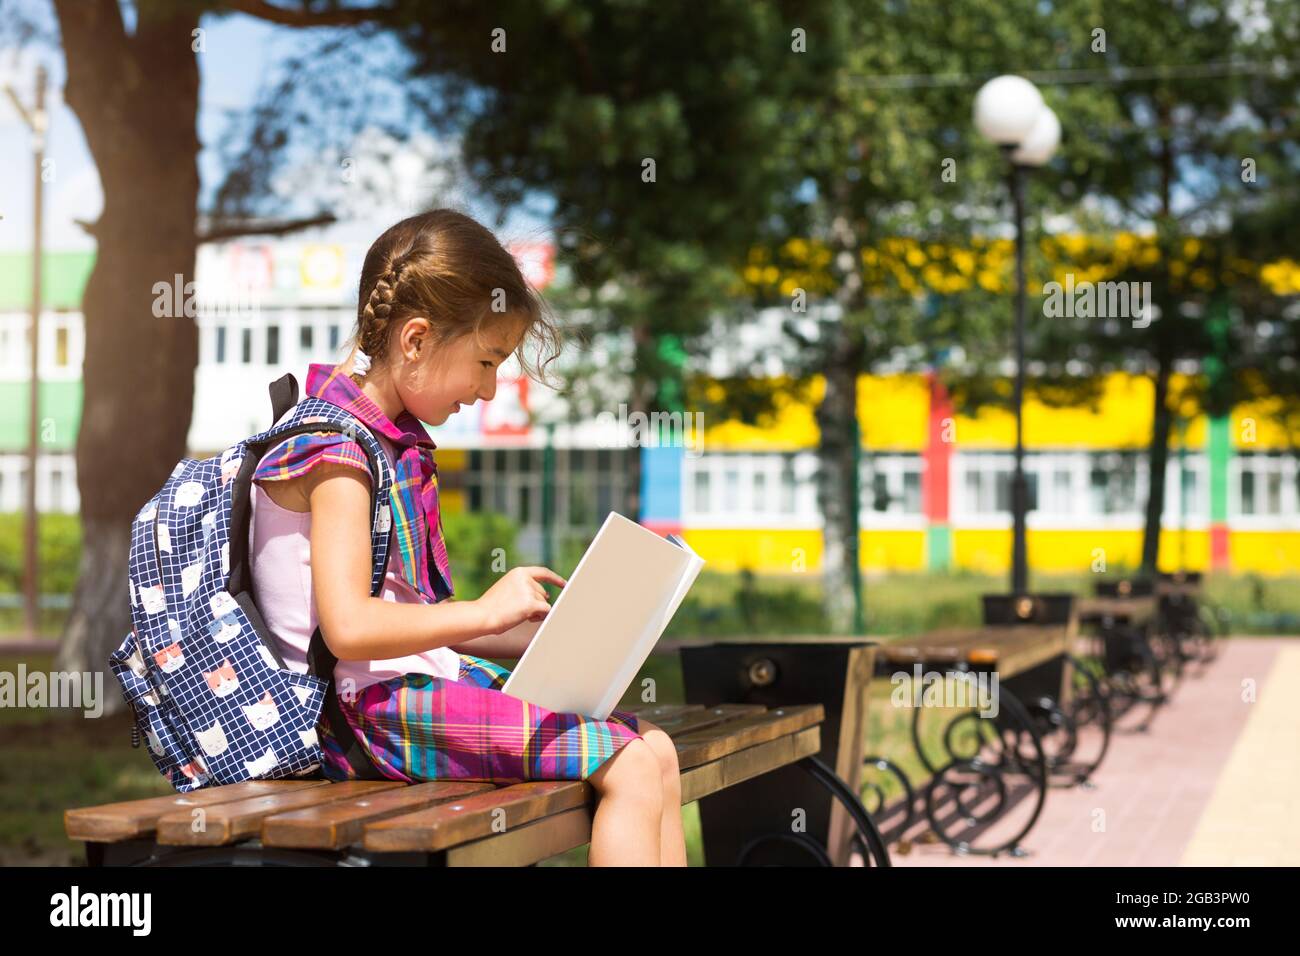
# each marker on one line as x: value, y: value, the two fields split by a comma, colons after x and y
x: 713, y: 743
x: 1010, y: 649
x: 657, y: 713
x: 752, y: 762
x: 333, y: 826
x: 700, y: 717
x: 447, y: 824
x: 529, y: 843
x: 129, y: 819
x: 228, y: 822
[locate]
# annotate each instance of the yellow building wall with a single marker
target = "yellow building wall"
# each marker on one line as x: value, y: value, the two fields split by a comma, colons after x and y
x: 1122, y: 419
x: 894, y: 412
x: 786, y: 551
x: 1070, y: 551
x: 779, y: 551
x: 1268, y: 552
x: 986, y: 551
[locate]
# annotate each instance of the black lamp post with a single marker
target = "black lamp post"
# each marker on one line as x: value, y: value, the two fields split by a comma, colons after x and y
x: 1010, y: 111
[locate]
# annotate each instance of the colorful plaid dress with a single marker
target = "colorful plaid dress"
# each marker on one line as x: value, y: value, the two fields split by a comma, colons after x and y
x: 419, y: 726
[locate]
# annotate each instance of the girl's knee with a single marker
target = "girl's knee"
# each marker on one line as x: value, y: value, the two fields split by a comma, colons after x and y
x: 632, y: 770
x: 665, y: 752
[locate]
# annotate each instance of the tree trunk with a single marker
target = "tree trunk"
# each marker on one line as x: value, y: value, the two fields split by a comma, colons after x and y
x: 845, y: 355
x: 1166, y: 332
x: 835, y: 463
x: 1157, y: 458
x: 136, y: 97
x: 641, y: 394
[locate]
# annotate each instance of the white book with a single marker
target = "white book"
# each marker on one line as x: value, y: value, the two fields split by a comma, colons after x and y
x: 608, y: 617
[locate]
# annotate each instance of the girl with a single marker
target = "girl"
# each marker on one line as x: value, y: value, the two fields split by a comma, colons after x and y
x: 441, y: 305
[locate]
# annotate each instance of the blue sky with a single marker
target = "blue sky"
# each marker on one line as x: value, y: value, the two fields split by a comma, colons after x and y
x: 241, y: 54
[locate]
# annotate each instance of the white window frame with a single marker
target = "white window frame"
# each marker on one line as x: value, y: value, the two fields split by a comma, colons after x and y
x: 1261, y: 465
x: 747, y: 464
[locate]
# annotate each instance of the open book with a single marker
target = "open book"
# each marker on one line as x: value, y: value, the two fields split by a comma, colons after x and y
x: 607, y: 619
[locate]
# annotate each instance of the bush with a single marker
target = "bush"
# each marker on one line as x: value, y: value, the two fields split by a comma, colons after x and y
x: 59, y: 548
x: 480, y: 548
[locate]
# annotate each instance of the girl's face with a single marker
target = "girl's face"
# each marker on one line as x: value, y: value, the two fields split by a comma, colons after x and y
x: 433, y: 387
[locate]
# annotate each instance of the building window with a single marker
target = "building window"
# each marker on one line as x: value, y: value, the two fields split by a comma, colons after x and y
x: 731, y: 488
x: 61, y: 346
x: 787, y: 485
x: 221, y: 344
x: 760, y: 504
x: 304, y: 340
x: 891, y: 484
x: 509, y: 481
x: 246, y: 348
x: 1263, y: 485
x: 334, y: 338
x: 1112, y: 483
x: 701, y: 501
x: 272, y: 345
x: 986, y: 483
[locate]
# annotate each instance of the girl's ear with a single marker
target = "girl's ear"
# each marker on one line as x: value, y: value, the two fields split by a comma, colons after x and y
x: 414, y: 338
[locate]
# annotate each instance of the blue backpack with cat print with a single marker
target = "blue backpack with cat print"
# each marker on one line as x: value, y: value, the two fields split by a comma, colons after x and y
x: 207, y: 684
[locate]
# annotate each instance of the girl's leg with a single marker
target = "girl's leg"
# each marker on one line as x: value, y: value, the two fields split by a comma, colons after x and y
x: 626, y: 828
x: 672, y: 841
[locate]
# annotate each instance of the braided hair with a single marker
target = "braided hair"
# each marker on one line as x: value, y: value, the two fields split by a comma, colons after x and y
x: 451, y: 270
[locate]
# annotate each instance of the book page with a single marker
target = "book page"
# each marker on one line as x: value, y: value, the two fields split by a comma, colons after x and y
x: 603, y: 625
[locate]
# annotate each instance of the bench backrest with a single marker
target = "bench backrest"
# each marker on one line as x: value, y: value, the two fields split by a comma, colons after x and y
x: 1018, y: 609
x: 1126, y: 587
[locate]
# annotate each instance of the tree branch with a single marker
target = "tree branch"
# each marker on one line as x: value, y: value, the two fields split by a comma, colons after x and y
x: 302, y: 17
x: 233, y: 229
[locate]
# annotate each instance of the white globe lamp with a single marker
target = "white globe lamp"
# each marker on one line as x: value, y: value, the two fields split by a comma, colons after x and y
x: 1039, y: 145
x: 1006, y: 108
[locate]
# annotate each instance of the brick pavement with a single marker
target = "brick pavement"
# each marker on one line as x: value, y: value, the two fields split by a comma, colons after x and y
x: 1216, y: 780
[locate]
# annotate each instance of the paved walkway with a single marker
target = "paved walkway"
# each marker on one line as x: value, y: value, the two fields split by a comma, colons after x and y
x: 1215, y: 782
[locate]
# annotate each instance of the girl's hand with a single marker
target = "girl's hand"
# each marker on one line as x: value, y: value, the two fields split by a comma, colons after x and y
x: 517, y: 597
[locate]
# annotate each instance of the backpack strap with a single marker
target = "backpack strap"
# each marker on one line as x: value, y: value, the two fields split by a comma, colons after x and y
x: 284, y: 395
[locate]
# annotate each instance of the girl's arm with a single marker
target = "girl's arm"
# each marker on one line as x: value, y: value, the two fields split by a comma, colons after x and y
x: 357, y: 626
x: 512, y: 643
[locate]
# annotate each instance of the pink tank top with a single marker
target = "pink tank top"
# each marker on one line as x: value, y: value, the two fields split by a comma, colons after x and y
x: 280, y: 545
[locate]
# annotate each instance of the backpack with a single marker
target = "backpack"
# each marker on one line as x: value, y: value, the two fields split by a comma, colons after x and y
x: 206, y: 682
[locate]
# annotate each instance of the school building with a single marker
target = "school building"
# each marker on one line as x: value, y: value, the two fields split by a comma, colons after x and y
x: 935, y: 483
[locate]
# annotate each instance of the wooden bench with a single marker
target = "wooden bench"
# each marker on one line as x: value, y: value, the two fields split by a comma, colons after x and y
x: 750, y: 824
x: 1140, y: 665
x: 969, y: 797
x: 315, y: 822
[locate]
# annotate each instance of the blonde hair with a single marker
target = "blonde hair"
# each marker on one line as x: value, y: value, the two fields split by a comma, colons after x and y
x: 445, y: 266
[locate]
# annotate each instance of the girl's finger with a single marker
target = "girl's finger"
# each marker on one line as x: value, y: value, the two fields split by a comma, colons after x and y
x: 547, y: 575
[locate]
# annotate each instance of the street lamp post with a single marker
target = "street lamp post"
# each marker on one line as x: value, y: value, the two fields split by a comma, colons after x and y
x: 37, y: 118
x: 1010, y: 111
